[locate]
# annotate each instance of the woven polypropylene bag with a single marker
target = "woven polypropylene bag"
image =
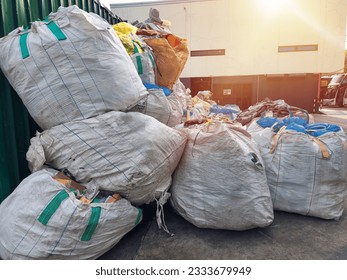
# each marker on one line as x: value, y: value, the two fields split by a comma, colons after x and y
x: 220, y: 181
x: 144, y: 64
x: 129, y: 153
x: 166, y: 109
x: 42, y: 219
x: 70, y: 67
x: 301, y: 178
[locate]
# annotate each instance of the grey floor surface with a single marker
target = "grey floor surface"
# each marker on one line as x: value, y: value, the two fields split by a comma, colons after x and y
x: 289, y: 237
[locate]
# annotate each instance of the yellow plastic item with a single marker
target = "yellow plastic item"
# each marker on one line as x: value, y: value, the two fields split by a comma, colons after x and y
x: 127, y: 34
x: 125, y: 28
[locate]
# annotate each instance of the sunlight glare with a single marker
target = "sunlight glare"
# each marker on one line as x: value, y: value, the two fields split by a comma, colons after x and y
x: 273, y: 5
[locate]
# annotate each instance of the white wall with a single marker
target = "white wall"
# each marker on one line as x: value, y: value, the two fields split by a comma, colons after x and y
x: 251, y: 32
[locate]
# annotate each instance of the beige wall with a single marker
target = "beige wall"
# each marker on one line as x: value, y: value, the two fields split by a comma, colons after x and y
x: 251, y: 33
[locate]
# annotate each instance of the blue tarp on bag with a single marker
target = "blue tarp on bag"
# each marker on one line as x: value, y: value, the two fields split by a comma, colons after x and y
x: 230, y: 110
x: 298, y: 124
x: 269, y: 122
x: 318, y: 129
x: 296, y: 127
x: 166, y: 90
x: 296, y: 120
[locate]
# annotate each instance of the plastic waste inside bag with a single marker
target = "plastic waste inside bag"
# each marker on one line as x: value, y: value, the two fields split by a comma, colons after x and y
x: 229, y: 110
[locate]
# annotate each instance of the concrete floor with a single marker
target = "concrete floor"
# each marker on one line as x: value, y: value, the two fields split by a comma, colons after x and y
x: 289, y: 237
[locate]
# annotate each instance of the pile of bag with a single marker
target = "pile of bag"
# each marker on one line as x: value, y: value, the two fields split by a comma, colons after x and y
x: 227, y: 175
x: 120, y: 130
x: 79, y: 83
x: 202, y: 106
x: 277, y: 108
x: 138, y: 50
x: 159, y: 58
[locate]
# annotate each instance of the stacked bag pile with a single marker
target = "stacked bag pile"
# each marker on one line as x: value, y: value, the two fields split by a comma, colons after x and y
x: 233, y: 174
x: 119, y: 130
x: 79, y: 84
x: 159, y: 57
x: 305, y: 162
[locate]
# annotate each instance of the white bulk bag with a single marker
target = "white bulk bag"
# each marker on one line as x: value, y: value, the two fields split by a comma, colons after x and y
x: 70, y: 67
x: 144, y: 64
x: 306, y: 175
x: 220, y: 181
x: 41, y: 219
x: 129, y: 153
x: 177, y: 110
x: 166, y: 109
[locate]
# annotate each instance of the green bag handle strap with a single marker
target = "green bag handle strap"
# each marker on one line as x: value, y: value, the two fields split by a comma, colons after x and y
x: 52, y: 206
x: 94, y: 220
x: 23, y: 42
x: 55, y: 29
x: 151, y: 59
x: 139, y: 65
x: 136, y: 49
x: 23, y: 45
x: 55, y: 203
x: 139, y: 216
x: 92, y: 224
x: 57, y: 32
x: 136, y: 45
x: 138, y: 59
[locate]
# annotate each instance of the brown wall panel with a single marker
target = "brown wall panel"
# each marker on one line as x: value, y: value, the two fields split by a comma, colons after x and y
x: 298, y: 90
